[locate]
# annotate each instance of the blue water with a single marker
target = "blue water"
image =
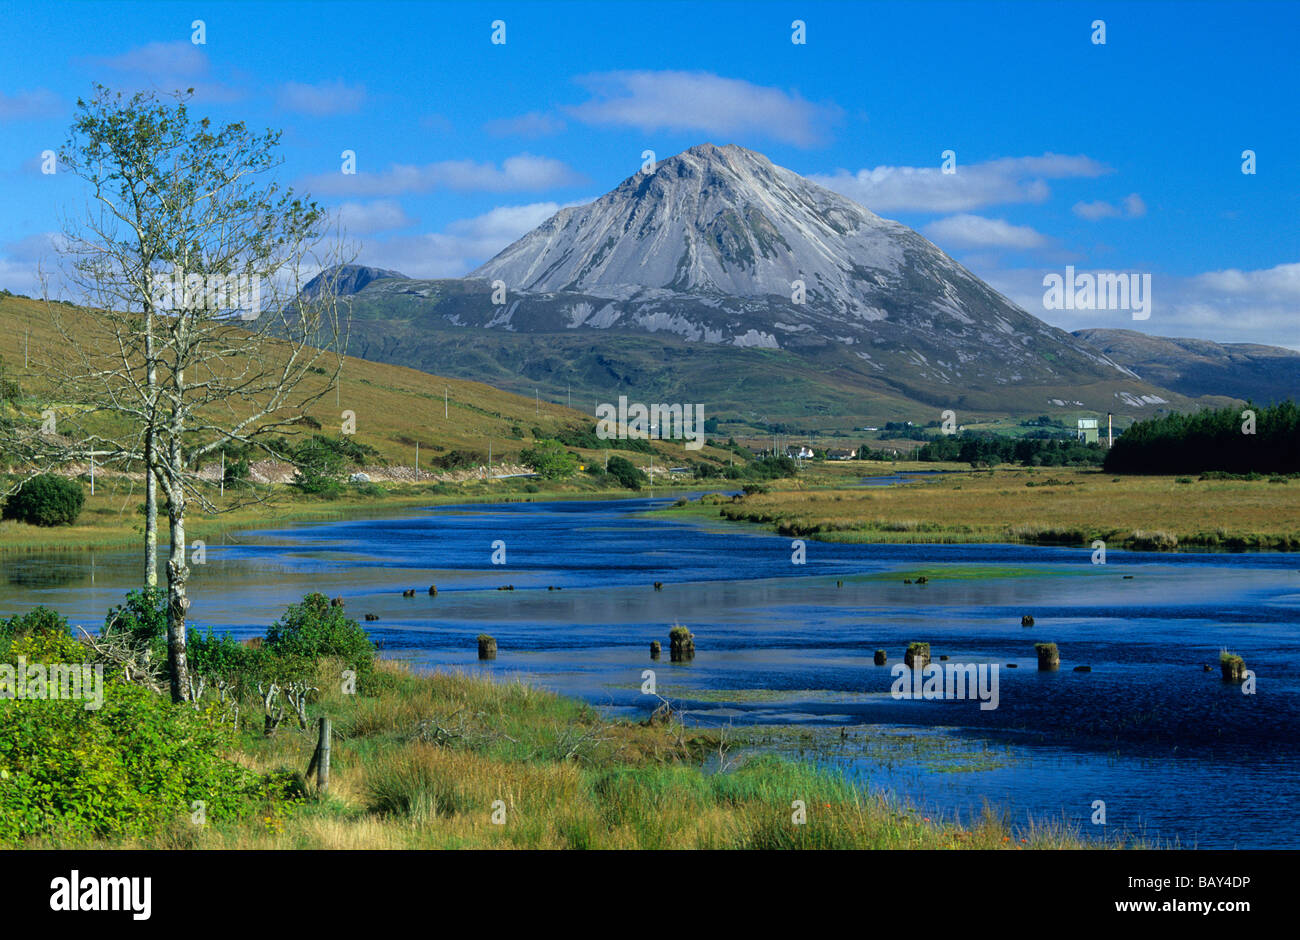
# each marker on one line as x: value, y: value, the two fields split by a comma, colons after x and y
x: 1176, y: 754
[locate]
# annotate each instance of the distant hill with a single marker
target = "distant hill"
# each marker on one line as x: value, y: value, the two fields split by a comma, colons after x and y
x: 1197, y: 367
x: 395, y: 407
x: 681, y: 285
x: 347, y: 278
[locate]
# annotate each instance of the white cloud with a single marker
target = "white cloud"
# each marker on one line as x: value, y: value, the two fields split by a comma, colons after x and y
x: 322, y: 99
x: 532, y: 124
x: 1281, y: 282
x: 701, y: 102
x: 974, y: 231
x: 524, y: 172
x: 1132, y: 206
x: 463, y: 245
x: 383, y: 215
x: 169, y: 67
x: 171, y: 59
x: 926, y: 189
x: 28, y: 259
x: 1229, y: 306
x: 1094, y: 211
x: 28, y: 104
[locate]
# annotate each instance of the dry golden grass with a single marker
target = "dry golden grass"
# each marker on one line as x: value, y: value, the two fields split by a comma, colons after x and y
x: 395, y: 408
x: 1061, y: 506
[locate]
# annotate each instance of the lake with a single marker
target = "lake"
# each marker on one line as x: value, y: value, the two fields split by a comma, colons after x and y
x: 1175, y: 754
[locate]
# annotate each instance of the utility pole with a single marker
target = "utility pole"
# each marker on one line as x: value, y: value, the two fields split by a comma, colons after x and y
x: 26, y: 332
x: 446, y: 394
x: 569, y: 389
x: 537, y: 404
x: 92, y: 474
x: 223, y: 473
x: 1110, y: 430
x: 417, y: 460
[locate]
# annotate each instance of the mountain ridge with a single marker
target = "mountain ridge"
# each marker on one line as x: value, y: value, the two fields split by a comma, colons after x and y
x: 702, y: 255
x: 1198, y: 367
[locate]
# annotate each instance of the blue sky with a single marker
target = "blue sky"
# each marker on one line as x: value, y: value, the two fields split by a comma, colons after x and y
x: 1124, y: 156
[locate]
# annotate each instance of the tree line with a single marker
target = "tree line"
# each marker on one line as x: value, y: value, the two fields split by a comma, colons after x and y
x: 987, y: 450
x: 1231, y: 440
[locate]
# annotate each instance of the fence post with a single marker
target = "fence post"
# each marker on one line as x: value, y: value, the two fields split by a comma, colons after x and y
x: 320, y: 760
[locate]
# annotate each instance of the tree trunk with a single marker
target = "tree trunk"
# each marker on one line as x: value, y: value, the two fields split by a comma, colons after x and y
x: 177, y: 602
x: 150, y: 516
x: 150, y: 443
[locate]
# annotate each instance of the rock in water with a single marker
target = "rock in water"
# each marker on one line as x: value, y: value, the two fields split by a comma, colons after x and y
x: 681, y: 644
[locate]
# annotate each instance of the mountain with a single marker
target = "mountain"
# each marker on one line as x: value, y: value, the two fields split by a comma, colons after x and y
x: 1197, y: 367
x: 680, y: 285
x: 347, y: 279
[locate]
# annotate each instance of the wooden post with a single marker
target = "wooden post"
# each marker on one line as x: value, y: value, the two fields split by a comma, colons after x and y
x: 320, y: 760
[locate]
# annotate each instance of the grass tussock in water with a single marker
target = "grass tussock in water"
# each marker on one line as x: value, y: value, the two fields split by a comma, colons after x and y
x: 455, y: 761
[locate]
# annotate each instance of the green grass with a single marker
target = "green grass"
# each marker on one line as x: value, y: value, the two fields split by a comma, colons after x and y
x: 429, y: 759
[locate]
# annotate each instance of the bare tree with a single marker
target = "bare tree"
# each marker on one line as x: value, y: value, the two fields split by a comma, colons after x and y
x: 195, y: 332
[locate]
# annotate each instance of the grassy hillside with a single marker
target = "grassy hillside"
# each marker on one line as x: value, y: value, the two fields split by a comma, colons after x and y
x: 395, y: 407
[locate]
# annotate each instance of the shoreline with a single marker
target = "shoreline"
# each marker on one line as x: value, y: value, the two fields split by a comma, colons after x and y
x: 18, y: 538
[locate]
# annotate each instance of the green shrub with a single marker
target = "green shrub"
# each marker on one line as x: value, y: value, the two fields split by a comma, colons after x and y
x: 313, y: 630
x: 141, y: 621
x: 217, y: 658
x: 129, y: 768
x: 319, y: 464
x: 37, y: 621
x: 459, y: 460
x: 550, y: 460
x: 46, y: 500
x: 628, y: 476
